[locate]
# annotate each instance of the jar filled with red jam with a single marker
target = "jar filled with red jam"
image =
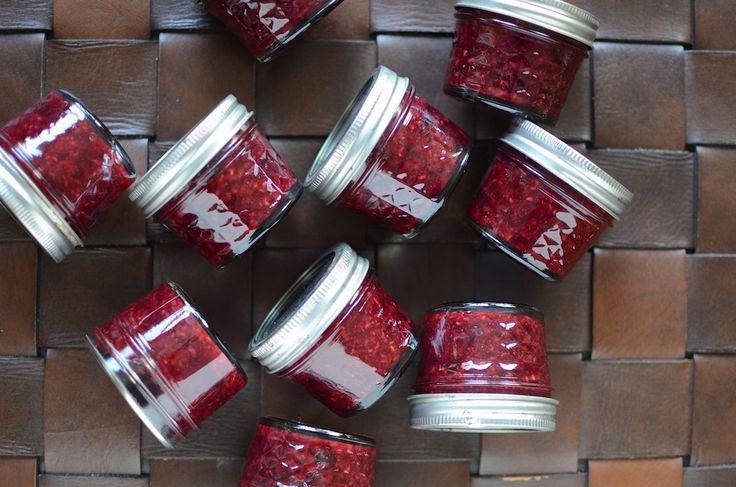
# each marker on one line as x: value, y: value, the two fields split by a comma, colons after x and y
x: 60, y: 169
x: 264, y: 27
x: 392, y: 156
x: 337, y: 333
x: 167, y: 363
x: 287, y: 453
x: 520, y: 56
x: 483, y: 368
x: 221, y: 187
x: 543, y: 203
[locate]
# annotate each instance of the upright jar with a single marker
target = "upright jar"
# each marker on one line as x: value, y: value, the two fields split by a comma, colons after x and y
x: 337, y: 333
x: 221, y: 187
x: 167, y: 363
x: 60, y: 169
x: 264, y: 27
x: 483, y: 367
x: 295, y: 454
x: 520, y: 56
x: 392, y: 157
x: 543, y: 203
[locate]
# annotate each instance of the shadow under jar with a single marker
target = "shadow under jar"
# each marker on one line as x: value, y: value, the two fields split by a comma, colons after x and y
x: 520, y: 56
x: 266, y: 26
x: 391, y: 157
x: 290, y: 453
x: 167, y: 363
x: 543, y: 203
x: 483, y: 368
x: 60, y: 170
x: 338, y: 334
x: 221, y: 187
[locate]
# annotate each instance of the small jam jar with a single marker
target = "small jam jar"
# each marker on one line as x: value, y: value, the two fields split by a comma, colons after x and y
x: 221, y: 187
x: 295, y: 454
x: 264, y: 27
x: 520, y: 56
x: 543, y: 203
x: 483, y: 368
x: 392, y: 157
x: 60, y: 169
x: 337, y: 333
x: 167, y: 363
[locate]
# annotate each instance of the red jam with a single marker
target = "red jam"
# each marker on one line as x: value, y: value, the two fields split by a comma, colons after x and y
x: 513, y: 65
x: 284, y: 453
x: 484, y: 348
x: 266, y: 26
x: 174, y: 356
x: 70, y: 156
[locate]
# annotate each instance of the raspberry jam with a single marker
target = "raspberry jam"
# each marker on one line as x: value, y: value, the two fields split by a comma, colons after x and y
x: 287, y: 453
x: 168, y: 364
x: 62, y: 168
x: 487, y: 360
x: 392, y: 157
x: 222, y: 187
x: 543, y: 203
x: 520, y: 56
x: 337, y: 333
x: 264, y: 27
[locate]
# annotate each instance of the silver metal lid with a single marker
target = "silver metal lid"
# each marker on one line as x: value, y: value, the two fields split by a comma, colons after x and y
x: 569, y: 165
x: 356, y: 134
x: 308, y: 308
x: 316, y: 431
x: 30, y: 207
x: 555, y: 15
x: 189, y: 156
x: 482, y: 413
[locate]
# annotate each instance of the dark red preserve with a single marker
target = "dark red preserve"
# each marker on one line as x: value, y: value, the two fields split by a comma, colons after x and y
x: 520, y: 56
x: 287, y: 453
x: 167, y: 362
x: 265, y: 26
x: 337, y: 333
x: 60, y: 170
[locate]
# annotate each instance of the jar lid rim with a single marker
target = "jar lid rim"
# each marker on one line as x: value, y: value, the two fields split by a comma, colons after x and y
x: 301, y: 427
x: 479, y: 305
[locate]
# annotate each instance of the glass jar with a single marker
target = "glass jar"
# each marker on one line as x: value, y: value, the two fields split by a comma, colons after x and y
x: 60, y: 169
x: 289, y: 453
x: 221, y: 187
x: 337, y: 333
x: 392, y: 157
x: 167, y: 363
x: 483, y: 368
x: 264, y: 27
x: 520, y: 56
x: 543, y: 203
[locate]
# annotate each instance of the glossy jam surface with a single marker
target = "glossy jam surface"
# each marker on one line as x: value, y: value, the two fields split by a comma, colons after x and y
x: 360, y: 355
x: 411, y: 170
x: 70, y: 156
x: 485, y: 350
x: 281, y: 456
x: 165, y: 330
x: 535, y: 216
x: 234, y: 200
x: 263, y: 26
x: 513, y: 65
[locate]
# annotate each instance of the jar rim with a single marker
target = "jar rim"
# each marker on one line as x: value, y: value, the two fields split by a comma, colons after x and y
x: 487, y: 305
x: 299, y: 427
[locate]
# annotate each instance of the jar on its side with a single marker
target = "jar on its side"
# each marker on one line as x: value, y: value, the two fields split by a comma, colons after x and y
x: 338, y: 334
x: 392, y: 157
x: 264, y: 27
x: 520, y: 56
x: 167, y: 363
x: 291, y: 453
x: 543, y: 203
x: 483, y: 368
x: 221, y: 187
x: 60, y: 170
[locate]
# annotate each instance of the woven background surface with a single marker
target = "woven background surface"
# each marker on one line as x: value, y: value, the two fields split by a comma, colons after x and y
x: 642, y: 335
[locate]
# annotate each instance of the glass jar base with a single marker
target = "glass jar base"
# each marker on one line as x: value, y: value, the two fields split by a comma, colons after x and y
x: 476, y: 97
